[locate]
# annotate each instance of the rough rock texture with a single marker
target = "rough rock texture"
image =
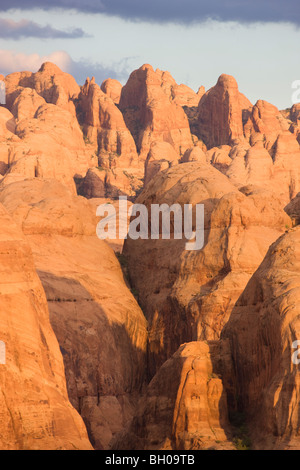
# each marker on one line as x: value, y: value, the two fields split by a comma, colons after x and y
x: 160, y: 157
x: 113, y: 89
x: 50, y: 145
x: 255, y: 165
x: 101, y: 182
x: 265, y: 119
x: 104, y: 123
x: 99, y: 325
x: 264, y: 381
x: 55, y: 86
x: 186, y: 295
x: 35, y: 412
x: 220, y: 113
x: 294, y: 116
x: 194, y: 154
x: 115, y: 148
x: 150, y: 115
x: 184, y: 407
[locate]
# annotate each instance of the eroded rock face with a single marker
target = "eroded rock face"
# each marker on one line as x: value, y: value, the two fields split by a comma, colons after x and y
x: 99, y: 326
x: 161, y: 156
x: 35, y: 412
x: 189, y: 296
x: 261, y: 331
x: 294, y: 116
x: 265, y: 119
x: 220, y: 113
x: 150, y: 115
x: 184, y: 407
x: 55, y: 86
x: 255, y: 165
x: 113, y: 89
x: 114, y: 146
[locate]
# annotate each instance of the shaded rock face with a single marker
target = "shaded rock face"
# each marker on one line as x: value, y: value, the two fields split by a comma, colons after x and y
x: 264, y: 381
x: 184, y: 406
x: 189, y: 296
x: 294, y: 116
x: 99, y: 326
x: 35, y: 412
x: 220, y: 113
x: 150, y: 115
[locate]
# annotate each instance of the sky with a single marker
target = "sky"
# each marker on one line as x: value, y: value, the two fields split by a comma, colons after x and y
x: 256, y: 41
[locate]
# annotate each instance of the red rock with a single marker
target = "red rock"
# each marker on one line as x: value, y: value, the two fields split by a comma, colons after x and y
x: 263, y: 381
x: 35, y: 412
x: 220, y: 113
x: 266, y: 120
x: 190, y: 295
x: 150, y: 115
x: 184, y: 407
x: 50, y: 82
x: 160, y: 157
x: 112, y: 88
x: 99, y: 326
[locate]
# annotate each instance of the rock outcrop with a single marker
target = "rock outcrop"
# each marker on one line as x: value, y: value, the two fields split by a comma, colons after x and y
x: 149, y: 113
x: 55, y: 86
x: 113, y: 89
x: 189, y: 295
x: 35, y: 413
x: 264, y: 380
x: 98, y: 323
x: 220, y: 113
x: 184, y: 407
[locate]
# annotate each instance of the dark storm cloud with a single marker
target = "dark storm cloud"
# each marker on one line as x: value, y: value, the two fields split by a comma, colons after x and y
x: 182, y: 11
x: 28, y: 29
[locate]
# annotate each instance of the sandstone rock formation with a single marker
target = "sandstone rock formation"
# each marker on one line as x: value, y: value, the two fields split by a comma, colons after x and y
x: 115, y: 148
x: 98, y: 323
x: 150, y: 115
x: 264, y: 381
x: 113, y: 89
x: 218, y: 324
x: 189, y: 296
x: 55, y: 86
x: 265, y: 119
x: 161, y: 156
x: 184, y: 407
x: 220, y: 113
x: 35, y: 412
x: 279, y: 174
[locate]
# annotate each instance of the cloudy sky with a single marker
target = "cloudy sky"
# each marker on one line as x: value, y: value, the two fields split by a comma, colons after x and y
x: 256, y: 41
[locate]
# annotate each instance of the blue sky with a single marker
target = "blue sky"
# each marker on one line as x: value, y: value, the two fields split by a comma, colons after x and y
x: 256, y: 42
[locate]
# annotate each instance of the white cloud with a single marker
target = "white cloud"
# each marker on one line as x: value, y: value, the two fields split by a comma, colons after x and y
x: 12, y: 61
